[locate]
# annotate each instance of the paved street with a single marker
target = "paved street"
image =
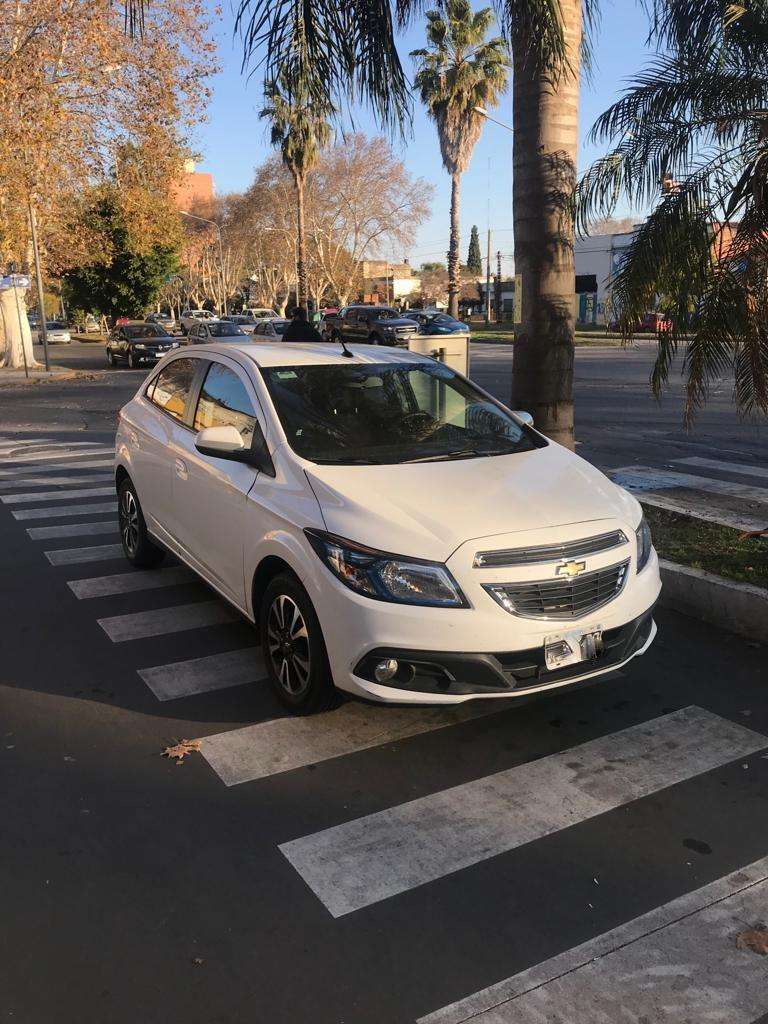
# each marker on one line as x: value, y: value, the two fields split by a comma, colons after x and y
x: 588, y: 858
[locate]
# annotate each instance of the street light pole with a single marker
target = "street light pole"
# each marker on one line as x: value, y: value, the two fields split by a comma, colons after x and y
x: 204, y: 220
x: 39, y: 277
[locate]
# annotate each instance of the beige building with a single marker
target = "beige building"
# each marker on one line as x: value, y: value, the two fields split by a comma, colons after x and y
x: 385, y: 281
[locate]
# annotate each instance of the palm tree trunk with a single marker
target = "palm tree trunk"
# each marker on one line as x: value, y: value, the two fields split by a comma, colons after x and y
x: 301, y: 247
x: 454, y: 272
x: 545, y: 121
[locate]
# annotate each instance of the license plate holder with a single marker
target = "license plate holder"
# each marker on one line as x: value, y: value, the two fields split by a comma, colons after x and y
x: 573, y: 647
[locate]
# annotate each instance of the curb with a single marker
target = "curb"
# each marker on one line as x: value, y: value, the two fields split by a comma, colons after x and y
x: 739, y: 607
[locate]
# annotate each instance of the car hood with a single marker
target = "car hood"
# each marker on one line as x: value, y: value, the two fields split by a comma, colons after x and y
x: 401, y: 321
x: 428, y: 510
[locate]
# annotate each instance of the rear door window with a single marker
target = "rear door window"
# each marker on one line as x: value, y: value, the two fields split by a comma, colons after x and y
x: 170, y: 389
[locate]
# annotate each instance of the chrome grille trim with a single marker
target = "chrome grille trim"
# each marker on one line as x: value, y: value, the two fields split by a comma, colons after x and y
x: 561, y: 599
x: 549, y: 552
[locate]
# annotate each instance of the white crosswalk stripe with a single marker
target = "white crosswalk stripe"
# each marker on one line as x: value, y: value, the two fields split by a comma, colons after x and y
x: 64, y: 495
x: 55, y: 456
x: 361, y: 862
x: 204, y: 675
x: 53, y: 481
x: 129, y: 582
x: 12, y: 474
x: 258, y: 751
x: 137, y: 625
x: 72, y: 530
x: 645, y: 478
x: 676, y: 963
x: 74, y: 556
x: 9, y: 446
x: 739, y: 468
x: 61, y: 511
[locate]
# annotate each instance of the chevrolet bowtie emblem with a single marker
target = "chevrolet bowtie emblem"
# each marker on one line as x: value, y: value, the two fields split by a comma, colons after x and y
x: 570, y: 568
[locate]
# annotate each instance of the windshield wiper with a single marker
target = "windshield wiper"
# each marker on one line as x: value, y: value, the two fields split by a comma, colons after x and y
x: 462, y: 453
x: 356, y: 461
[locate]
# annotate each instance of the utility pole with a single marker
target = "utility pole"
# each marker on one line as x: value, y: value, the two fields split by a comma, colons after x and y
x: 488, y: 282
x: 498, y: 287
x: 39, y: 276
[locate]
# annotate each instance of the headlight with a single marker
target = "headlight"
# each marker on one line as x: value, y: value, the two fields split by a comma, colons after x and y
x: 140, y: 347
x: 644, y: 544
x: 386, y: 577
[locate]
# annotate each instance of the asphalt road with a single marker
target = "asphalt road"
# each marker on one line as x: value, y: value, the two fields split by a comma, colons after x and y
x: 286, y: 874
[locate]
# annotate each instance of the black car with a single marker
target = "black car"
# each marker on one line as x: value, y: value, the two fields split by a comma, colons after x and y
x: 139, y: 343
x: 372, y: 325
x: 214, y: 330
x: 434, y: 321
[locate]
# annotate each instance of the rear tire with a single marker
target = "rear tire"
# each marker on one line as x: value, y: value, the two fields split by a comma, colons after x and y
x: 111, y: 359
x: 294, y: 649
x: 132, y: 361
x: 140, y: 551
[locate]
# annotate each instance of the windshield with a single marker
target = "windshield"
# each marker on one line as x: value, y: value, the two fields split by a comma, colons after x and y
x: 390, y: 413
x: 222, y: 329
x: 279, y: 326
x: 384, y: 314
x: 145, y: 331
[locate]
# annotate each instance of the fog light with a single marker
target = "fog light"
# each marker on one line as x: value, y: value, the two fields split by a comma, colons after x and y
x: 386, y: 670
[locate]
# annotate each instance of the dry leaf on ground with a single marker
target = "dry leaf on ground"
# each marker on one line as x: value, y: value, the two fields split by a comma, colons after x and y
x: 754, y: 939
x: 181, y: 749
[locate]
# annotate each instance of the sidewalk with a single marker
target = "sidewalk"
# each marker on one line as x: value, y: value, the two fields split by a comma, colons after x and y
x: 38, y: 374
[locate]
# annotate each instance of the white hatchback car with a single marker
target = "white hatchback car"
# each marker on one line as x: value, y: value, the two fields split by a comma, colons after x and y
x: 393, y: 530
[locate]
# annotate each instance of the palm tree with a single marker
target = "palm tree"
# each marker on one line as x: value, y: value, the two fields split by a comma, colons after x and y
x: 458, y: 72
x: 299, y: 127
x: 691, y: 137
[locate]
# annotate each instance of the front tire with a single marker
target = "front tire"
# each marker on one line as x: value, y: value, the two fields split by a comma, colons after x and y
x: 132, y: 364
x: 294, y: 649
x: 140, y: 551
x: 111, y: 359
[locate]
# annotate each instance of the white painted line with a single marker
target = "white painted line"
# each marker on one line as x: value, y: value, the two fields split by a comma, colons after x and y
x: 53, y: 481
x: 741, y: 468
x: 65, y: 510
x: 644, y: 478
x: 10, y: 446
x: 138, y: 625
x: 128, y: 582
x: 55, y: 457
x: 18, y: 499
x: 12, y: 474
x: 676, y: 963
x: 72, y: 530
x: 356, y: 864
x: 73, y: 556
x: 203, y: 675
x: 257, y: 751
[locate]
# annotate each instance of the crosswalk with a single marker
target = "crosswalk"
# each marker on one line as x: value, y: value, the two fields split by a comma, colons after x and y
x: 704, y: 488
x: 356, y: 863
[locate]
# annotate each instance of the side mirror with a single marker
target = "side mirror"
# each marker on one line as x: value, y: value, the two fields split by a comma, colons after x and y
x: 524, y: 417
x: 221, y: 442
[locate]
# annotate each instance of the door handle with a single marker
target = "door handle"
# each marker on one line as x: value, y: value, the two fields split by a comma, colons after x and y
x: 181, y: 469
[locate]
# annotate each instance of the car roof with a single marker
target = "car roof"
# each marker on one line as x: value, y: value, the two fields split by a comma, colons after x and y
x: 311, y: 354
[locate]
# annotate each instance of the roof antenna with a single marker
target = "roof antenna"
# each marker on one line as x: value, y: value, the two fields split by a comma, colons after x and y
x: 344, y: 350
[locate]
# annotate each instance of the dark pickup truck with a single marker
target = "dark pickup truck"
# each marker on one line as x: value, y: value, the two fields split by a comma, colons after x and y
x: 370, y: 325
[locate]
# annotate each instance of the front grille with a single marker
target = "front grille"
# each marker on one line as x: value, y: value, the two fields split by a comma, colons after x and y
x: 550, y: 552
x: 561, y: 599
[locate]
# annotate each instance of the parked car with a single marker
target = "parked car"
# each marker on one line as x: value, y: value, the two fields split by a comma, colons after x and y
x: 270, y: 330
x: 166, y: 320
x: 373, y: 325
x: 92, y: 324
x: 56, y: 332
x: 435, y: 321
x: 244, y: 321
x: 121, y: 321
x: 259, y: 312
x: 214, y: 330
x: 192, y: 316
x: 393, y: 531
x: 138, y: 343
x: 654, y: 323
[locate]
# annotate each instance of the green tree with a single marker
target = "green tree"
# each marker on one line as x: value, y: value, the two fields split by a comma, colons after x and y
x: 459, y: 71
x: 128, y: 279
x: 474, y: 256
x: 691, y: 138
x: 300, y: 129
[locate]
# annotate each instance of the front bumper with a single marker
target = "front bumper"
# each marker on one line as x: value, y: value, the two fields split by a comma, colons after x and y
x: 503, y: 674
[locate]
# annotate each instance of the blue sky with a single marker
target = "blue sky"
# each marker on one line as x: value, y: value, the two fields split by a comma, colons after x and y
x: 233, y: 140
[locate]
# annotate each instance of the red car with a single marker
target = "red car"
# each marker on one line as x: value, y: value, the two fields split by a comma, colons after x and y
x: 652, y: 323
x: 122, y: 321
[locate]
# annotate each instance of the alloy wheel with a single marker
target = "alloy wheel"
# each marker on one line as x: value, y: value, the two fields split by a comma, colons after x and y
x: 288, y: 643
x: 129, y: 522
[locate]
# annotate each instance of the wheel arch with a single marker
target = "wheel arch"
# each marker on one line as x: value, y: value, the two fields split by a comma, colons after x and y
x: 269, y: 567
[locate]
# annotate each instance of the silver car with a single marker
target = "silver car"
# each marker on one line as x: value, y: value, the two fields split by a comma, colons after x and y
x: 56, y: 332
